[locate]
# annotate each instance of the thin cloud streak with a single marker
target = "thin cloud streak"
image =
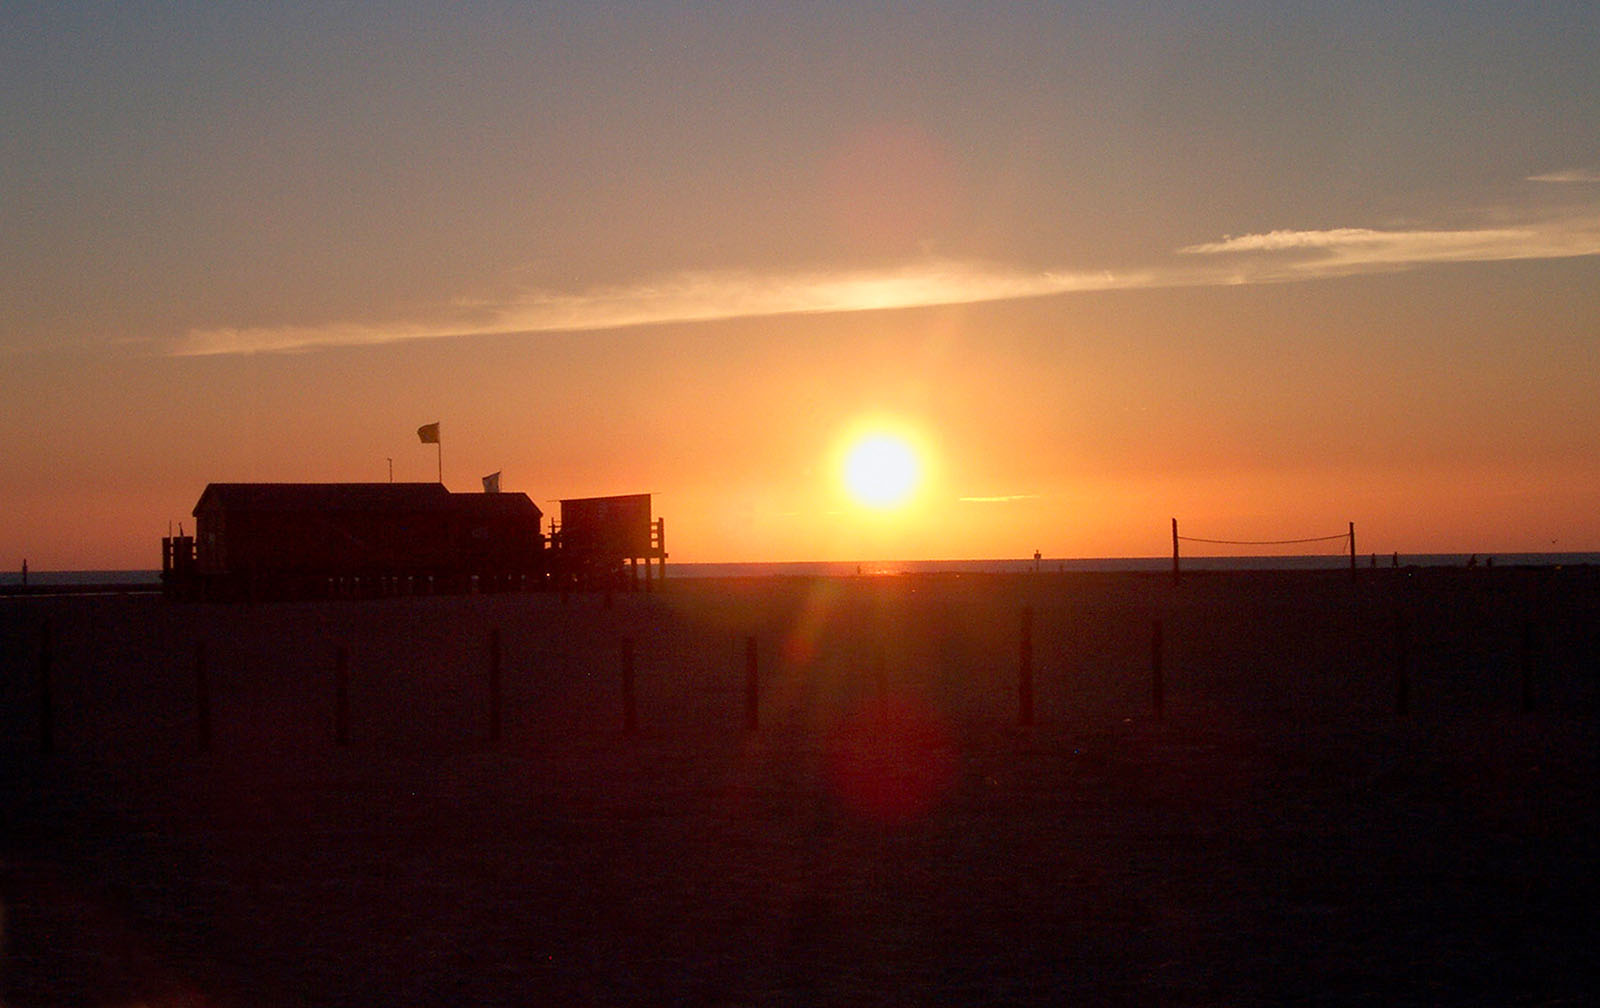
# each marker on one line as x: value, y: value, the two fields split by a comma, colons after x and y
x: 1340, y: 251
x: 1002, y: 499
x: 1576, y: 175
x: 688, y: 297
x: 1269, y: 257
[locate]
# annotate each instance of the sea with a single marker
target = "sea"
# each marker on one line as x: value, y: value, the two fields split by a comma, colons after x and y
x: 846, y: 568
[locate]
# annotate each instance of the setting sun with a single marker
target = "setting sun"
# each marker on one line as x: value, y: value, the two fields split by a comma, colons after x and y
x: 881, y: 470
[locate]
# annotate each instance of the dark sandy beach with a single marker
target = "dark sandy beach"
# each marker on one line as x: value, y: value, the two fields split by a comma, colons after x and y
x: 1379, y: 791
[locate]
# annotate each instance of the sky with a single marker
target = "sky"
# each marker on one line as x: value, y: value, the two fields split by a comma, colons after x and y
x: 1267, y: 268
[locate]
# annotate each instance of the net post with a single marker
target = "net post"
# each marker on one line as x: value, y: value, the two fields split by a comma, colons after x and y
x: 1176, y: 575
x: 1352, y: 551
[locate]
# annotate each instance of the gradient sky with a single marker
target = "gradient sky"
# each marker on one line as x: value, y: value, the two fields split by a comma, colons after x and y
x: 1265, y: 267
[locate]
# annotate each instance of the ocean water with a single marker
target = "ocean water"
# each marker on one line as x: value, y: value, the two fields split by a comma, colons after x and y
x: 997, y: 566
x: 1058, y: 564
x: 80, y: 577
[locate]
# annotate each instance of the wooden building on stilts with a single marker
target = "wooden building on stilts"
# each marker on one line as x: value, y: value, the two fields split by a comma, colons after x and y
x: 600, y: 541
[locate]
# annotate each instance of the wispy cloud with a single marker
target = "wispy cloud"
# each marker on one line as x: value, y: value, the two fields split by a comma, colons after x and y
x: 686, y: 297
x: 1002, y: 499
x: 1279, y: 255
x: 1266, y: 257
x: 1576, y: 175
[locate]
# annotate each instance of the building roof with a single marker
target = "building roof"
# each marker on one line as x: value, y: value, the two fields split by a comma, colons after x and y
x: 363, y: 497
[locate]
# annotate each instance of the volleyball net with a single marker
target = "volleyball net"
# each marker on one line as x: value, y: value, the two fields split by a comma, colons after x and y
x: 1348, y: 537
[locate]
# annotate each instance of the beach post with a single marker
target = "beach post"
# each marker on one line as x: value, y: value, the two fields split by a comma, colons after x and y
x: 494, y: 686
x: 1402, y: 666
x: 752, y: 687
x: 1526, y: 664
x: 1353, y: 551
x: 341, y: 695
x: 1025, y: 670
x: 1157, y: 686
x: 630, y: 710
x: 202, y: 697
x: 47, y: 714
x: 1176, y: 575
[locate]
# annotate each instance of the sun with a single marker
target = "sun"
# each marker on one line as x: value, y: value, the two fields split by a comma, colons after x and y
x: 881, y: 470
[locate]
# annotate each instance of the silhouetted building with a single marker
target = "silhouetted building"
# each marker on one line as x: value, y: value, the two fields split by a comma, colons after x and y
x: 300, y: 539
x: 602, y: 539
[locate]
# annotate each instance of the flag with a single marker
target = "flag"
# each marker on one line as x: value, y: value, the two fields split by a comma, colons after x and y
x: 428, y: 433
x: 491, y: 483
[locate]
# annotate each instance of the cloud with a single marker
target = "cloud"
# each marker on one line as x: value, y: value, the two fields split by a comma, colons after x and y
x: 1267, y: 257
x: 1003, y: 499
x: 1577, y: 175
x: 1280, y: 255
x: 685, y: 297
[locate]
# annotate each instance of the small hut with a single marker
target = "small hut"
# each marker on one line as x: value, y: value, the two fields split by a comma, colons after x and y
x: 600, y: 540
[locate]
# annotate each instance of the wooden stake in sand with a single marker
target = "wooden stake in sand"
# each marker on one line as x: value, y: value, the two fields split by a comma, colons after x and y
x: 1157, y: 687
x: 1526, y: 664
x: 1025, y: 670
x: 630, y: 711
x: 752, y: 687
x: 494, y: 685
x: 1402, y: 665
x: 47, y: 714
x: 202, y: 697
x: 341, y: 695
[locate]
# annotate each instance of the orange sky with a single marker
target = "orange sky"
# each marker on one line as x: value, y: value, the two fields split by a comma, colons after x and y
x: 1268, y: 276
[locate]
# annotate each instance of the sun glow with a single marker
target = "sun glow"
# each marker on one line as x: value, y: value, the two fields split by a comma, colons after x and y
x: 881, y: 470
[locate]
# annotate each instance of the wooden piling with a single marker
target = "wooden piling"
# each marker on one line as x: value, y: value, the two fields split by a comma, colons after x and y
x: 1025, y: 670
x: 1402, y: 666
x: 630, y: 710
x: 1157, y: 685
x: 1526, y: 665
x: 202, y: 697
x: 47, y: 713
x: 495, y: 699
x: 341, y: 695
x: 752, y: 687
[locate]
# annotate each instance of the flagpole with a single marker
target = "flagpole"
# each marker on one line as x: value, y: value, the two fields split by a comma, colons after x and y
x: 439, y: 444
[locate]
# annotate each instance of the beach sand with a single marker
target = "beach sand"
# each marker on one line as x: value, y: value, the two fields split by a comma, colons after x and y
x: 890, y: 834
